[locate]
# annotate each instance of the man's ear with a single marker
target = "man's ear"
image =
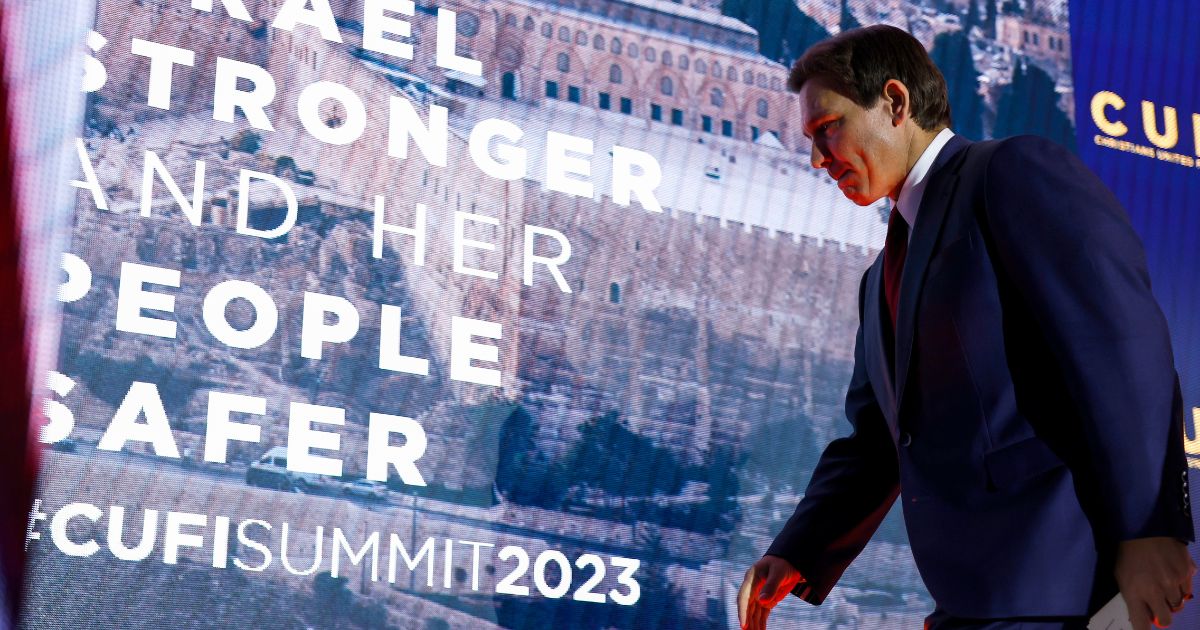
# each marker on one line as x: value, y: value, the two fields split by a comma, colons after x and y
x: 895, y: 95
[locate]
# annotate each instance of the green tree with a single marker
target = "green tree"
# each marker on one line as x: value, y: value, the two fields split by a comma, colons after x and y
x: 848, y: 21
x: 285, y: 165
x: 611, y: 457
x: 720, y: 510
x: 972, y: 18
x: 499, y: 435
x: 542, y: 483
x: 524, y: 475
x: 952, y: 55
x: 332, y: 598
x: 781, y: 453
x: 246, y: 141
x: 660, y: 604
x: 784, y: 31
x: 1029, y: 105
x: 370, y: 615
x: 515, y: 447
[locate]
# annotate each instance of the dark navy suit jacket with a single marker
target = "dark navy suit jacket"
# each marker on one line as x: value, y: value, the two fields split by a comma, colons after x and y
x: 1026, y: 410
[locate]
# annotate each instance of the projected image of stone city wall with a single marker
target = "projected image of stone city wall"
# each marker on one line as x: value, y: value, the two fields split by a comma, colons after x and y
x: 673, y: 403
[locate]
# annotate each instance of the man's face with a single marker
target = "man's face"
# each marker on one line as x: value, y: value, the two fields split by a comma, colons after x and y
x: 860, y: 148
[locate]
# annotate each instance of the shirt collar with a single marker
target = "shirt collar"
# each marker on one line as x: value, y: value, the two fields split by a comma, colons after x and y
x: 913, y: 189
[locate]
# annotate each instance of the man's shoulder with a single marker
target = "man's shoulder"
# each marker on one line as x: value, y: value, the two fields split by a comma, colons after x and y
x: 1015, y: 163
x: 1014, y: 150
x: 1039, y: 181
x: 1026, y: 140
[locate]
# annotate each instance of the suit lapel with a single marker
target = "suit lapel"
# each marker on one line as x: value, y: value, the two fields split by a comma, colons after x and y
x: 877, y: 356
x: 943, y: 178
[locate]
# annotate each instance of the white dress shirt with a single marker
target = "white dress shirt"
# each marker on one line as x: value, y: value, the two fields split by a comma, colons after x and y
x: 913, y: 189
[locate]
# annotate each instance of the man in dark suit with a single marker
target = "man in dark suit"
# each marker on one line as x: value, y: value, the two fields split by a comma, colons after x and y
x: 1013, y: 378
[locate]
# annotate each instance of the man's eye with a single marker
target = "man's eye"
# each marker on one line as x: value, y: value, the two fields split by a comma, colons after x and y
x: 825, y: 127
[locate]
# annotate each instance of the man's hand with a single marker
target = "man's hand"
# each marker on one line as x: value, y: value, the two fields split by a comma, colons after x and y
x: 1155, y: 576
x: 766, y: 583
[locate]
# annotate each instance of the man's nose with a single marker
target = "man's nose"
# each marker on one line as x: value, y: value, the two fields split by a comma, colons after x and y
x: 819, y: 160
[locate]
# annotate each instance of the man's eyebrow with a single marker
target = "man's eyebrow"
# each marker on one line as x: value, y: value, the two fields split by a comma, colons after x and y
x: 811, y: 122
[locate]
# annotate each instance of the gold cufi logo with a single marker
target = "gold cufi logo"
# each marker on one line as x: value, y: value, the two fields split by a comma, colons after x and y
x: 1160, y: 129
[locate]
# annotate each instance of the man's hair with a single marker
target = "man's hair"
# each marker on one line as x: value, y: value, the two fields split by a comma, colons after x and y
x: 856, y: 63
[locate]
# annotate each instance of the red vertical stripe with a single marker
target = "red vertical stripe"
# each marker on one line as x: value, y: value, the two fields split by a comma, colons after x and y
x: 18, y: 460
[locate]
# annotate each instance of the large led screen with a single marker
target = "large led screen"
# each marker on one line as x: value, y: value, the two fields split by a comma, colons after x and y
x: 469, y: 314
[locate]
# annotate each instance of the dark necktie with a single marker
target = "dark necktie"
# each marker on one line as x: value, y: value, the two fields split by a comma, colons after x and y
x: 894, y: 250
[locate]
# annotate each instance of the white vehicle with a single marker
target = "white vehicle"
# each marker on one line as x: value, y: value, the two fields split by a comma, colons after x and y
x: 366, y: 489
x: 271, y: 471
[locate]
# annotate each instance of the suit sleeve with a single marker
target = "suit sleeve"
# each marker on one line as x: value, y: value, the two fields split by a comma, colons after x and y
x: 854, y: 484
x: 1071, y: 253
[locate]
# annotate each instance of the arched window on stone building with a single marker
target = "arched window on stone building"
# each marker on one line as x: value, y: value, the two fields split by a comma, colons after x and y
x: 528, y: 23
x: 717, y: 97
x: 701, y: 67
x: 598, y: 42
x: 666, y: 58
x: 510, y: 20
x: 748, y: 77
x: 649, y: 54
x: 564, y: 62
x: 614, y: 293
x: 716, y: 69
x: 632, y: 50
x: 683, y: 62
x: 776, y: 84
x: 614, y: 73
x: 666, y: 86
x: 581, y: 38
x: 547, y: 29
x: 731, y: 74
x: 615, y: 47
x: 564, y: 34
x: 762, y: 108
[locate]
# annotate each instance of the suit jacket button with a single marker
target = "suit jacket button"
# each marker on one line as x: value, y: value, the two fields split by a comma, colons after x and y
x: 905, y: 438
